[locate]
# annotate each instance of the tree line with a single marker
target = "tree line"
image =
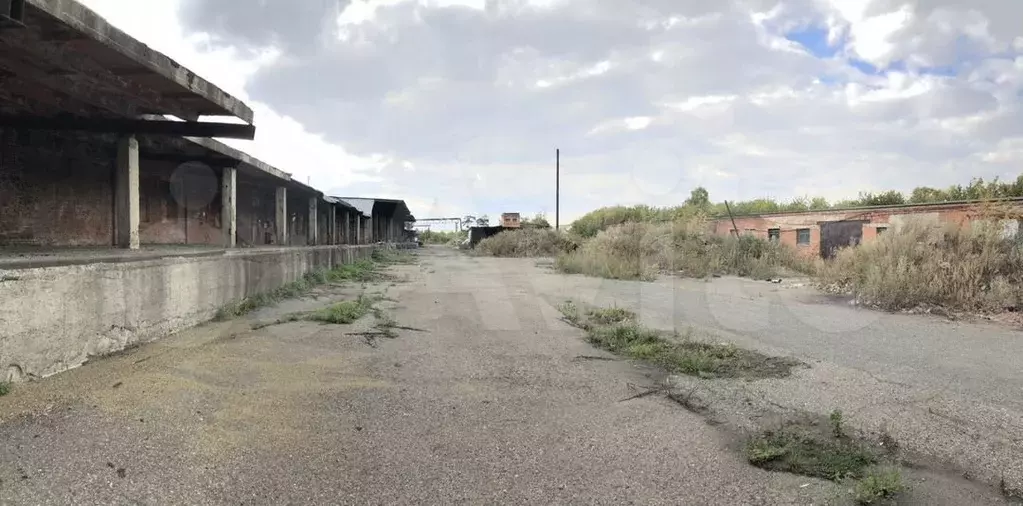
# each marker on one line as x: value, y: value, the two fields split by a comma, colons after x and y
x: 699, y: 203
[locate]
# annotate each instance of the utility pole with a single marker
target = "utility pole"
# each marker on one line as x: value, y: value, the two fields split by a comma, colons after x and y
x: 734, y: 228
x: 557, y: 189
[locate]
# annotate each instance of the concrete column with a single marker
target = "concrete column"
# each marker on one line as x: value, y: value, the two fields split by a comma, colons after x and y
x: 313, y: 228
x: 342, y: 233
x: 358, y: 229
x: 281, y: 205
x: 368, y: 233
x: 126, y: 193
x: 332, y: 225
x: 229, y: 206
x: 352, y: 234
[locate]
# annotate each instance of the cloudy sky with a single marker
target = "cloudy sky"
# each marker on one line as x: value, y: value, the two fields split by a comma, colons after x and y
x: 457, y: 106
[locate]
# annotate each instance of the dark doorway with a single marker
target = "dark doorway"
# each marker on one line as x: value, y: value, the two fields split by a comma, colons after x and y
x: 840, y: 234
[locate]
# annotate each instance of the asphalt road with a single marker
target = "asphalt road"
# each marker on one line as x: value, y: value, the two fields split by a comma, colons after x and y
x: 494, y: 400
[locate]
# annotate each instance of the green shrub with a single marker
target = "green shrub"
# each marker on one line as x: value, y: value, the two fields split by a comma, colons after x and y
x: 526, y: 242
x: 442, y: 237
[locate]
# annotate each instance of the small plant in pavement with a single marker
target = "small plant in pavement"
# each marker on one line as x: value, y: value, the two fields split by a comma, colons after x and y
x: 5, y: 388
x: 342, y: 313
x: 362, y: 270
x: 879, y: 486
x: 612, y: 315
x: 835, y: 418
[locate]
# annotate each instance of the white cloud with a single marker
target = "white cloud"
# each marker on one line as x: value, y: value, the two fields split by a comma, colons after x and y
x: 457, y: 106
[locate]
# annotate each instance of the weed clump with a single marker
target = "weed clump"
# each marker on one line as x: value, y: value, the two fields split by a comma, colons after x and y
x: 880, y: 486
x: 360, y: 271
x: 343, y: 312
x: 802, y: 450
x: 615, y: 330
x: 612, y: 315
x: 835, y: 418
x: 5, y: 388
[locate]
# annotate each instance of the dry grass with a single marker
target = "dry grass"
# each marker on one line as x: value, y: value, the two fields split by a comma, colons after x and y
x: 526, y: 242
x: 642, y: 250
x: 922, y: 262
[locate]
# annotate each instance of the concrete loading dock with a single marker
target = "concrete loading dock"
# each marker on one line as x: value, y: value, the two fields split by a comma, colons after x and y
x: 121, y: 219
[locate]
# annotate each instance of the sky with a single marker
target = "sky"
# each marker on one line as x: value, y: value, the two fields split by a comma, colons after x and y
x: 457, y: 106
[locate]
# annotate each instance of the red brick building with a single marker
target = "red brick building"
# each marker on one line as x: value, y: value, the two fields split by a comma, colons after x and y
x: 821, y: 232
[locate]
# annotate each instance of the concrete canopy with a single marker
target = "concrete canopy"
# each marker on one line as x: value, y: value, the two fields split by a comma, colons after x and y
x: 65, y: 59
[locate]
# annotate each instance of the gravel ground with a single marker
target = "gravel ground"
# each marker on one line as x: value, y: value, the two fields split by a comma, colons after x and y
x: 495, y: 400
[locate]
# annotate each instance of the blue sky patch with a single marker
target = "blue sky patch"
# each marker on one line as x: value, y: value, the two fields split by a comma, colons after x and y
x: 865, y: 67
x: 815, y: 40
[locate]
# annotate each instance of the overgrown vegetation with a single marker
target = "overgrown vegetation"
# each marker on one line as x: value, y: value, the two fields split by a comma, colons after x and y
x: 925, y: 263
x: 803, y: 449
x: 811, y: 447
x: 526, y: 242
x: 616, y: 330
x: 343, y: 312
x: 360, y: 271
x: 699, y: 204
x: 392, y: 256
x: 442, y: 237
x: 642, y: 250
x: 879, y: 486
x: 916, y: 264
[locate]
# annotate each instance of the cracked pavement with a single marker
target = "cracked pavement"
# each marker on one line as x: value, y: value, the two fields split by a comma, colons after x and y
x: 497, y: 401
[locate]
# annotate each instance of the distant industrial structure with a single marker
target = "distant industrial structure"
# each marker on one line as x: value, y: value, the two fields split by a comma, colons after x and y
x: 822, y: 233
x: 511, y: 220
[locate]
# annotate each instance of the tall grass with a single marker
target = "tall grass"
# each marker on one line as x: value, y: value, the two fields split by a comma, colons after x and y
x: 970, y: 268
x: 526, y: 242
x: 642, y: 250
x: 442, y: 236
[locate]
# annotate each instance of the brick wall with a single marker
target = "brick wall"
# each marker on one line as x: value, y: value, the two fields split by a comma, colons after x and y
x: 179, y: 204
x: 323, y: 223
x: 256, y: 215
x: 56, y: 189
x: 788, y: 224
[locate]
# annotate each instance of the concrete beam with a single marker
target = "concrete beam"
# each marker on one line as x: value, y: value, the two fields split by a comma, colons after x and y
x: 126, y: 193
x: 313, y: 229
x: 281, y: 207
x: 130, y: 126
x: 207, y: 98
x: 229, y: 206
